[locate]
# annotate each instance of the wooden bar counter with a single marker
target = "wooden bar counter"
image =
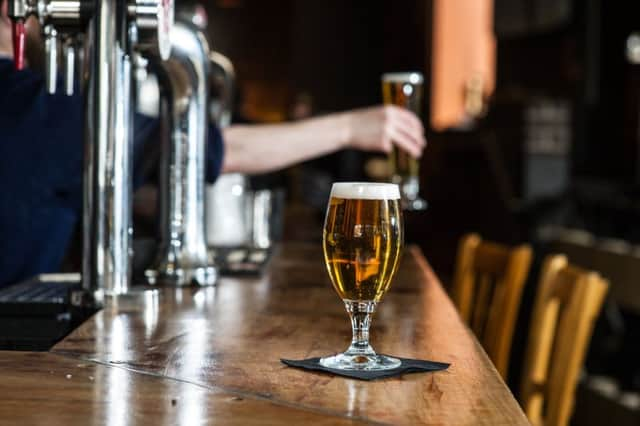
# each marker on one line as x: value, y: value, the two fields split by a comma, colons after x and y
x: 212, y: 356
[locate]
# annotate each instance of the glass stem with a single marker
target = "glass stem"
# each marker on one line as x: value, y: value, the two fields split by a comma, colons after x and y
x: 361, y: 314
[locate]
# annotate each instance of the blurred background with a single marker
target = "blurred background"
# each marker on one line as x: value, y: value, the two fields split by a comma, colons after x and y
x: 531, y: 106
x: 532, y: 111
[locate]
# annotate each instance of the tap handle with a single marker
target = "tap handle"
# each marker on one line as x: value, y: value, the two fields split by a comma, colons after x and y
x: 69, y: 65
x: 51, y: 56
x: 19, y: 34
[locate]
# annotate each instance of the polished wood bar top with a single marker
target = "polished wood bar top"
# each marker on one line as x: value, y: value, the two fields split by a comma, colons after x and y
x: 49, y: 389
x: 217, y: 350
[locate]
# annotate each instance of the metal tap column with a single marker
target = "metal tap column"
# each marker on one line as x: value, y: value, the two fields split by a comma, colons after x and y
x: 183, y: 80
x: 108, y: 155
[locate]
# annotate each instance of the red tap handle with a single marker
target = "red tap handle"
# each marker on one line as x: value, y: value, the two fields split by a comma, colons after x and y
x: 18, y: 43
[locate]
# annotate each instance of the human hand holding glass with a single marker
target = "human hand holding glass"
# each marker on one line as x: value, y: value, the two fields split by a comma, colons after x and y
x: 362, y: 242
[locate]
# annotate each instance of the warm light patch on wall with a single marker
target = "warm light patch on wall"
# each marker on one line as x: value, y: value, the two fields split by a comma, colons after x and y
x: 463, y: 58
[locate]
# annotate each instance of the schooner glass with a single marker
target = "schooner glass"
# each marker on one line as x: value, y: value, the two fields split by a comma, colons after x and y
x: 405, y: 89
x: 362, y: 243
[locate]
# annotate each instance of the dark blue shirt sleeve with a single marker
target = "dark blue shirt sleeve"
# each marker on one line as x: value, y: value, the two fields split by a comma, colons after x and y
x: 215, y: 154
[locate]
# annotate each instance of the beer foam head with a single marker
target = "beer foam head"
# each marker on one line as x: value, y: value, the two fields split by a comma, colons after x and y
x: 403, y: 77
x: 365, y: 191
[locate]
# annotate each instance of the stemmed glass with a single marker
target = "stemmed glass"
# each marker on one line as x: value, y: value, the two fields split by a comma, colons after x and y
x: 362, y: 242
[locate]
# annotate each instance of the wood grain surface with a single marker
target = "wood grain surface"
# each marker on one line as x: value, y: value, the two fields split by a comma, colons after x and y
x: 48, y: 389
x: 229, y: 340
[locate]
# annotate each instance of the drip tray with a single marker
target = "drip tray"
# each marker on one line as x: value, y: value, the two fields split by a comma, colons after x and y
x: 37, y: 313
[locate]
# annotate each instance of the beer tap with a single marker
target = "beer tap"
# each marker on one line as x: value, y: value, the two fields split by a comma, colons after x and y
x: 51, y: 57
x: 181, y: 257
x: 119, y: 29
x: 115, y: 29
x: 57, y: 17
x: 69, y: 52
x: 18, y: 12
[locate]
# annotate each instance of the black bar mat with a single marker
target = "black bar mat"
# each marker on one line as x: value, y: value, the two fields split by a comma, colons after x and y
x: 408, y: 366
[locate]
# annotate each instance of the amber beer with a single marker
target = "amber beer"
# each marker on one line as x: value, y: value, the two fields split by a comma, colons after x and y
x: 362, y: 239
x: 405, y: 90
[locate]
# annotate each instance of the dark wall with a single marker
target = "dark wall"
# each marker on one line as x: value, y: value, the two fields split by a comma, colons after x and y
x: 340, y: 48
x: 335, y: 50
x: 613, y: 121
x: 581, y: 59
x: 255, y: 35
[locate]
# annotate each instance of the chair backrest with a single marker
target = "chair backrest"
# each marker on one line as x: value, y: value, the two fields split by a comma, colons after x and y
x: 487, y: 288
x: 567, y: 303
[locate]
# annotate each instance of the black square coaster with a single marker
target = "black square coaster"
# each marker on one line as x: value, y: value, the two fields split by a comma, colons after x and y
x: 408, y: 366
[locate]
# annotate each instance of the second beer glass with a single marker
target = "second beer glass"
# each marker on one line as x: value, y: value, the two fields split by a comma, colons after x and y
x: 405, y: 89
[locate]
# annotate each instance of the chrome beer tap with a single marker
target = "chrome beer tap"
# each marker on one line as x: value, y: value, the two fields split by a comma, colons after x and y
x: 183, y: 80
x: 58, y: 19
x: 19, y: 11
x: 114, y: 29
x: 118, y: 29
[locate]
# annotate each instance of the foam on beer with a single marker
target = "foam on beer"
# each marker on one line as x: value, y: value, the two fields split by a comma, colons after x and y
x: 365, y: 191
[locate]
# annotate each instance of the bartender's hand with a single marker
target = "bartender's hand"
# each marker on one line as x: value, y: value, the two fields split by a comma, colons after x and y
x: 379, y: 128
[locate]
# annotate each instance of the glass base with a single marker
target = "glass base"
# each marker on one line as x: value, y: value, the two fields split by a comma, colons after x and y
x: 360, y: 355
x: 360, y: 362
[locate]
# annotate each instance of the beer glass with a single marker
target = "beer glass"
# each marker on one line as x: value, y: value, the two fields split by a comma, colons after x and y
x: 362, y: 241
x: 405, y: 89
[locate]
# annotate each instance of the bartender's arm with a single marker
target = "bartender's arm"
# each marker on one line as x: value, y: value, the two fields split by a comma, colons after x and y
x: 262, y: 148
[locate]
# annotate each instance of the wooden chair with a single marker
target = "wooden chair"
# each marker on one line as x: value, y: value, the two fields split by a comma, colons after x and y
x: 566, y: 306
x: 487, y: 288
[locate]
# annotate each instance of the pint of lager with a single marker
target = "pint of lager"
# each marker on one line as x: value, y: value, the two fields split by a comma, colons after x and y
x: 405, y: 89
x: 362, y: 241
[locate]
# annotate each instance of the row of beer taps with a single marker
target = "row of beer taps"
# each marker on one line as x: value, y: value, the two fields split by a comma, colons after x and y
x: 104, y: 40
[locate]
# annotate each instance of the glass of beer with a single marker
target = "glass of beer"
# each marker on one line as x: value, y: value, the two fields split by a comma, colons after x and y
x: 362, y: 242
x: 405, y: 89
